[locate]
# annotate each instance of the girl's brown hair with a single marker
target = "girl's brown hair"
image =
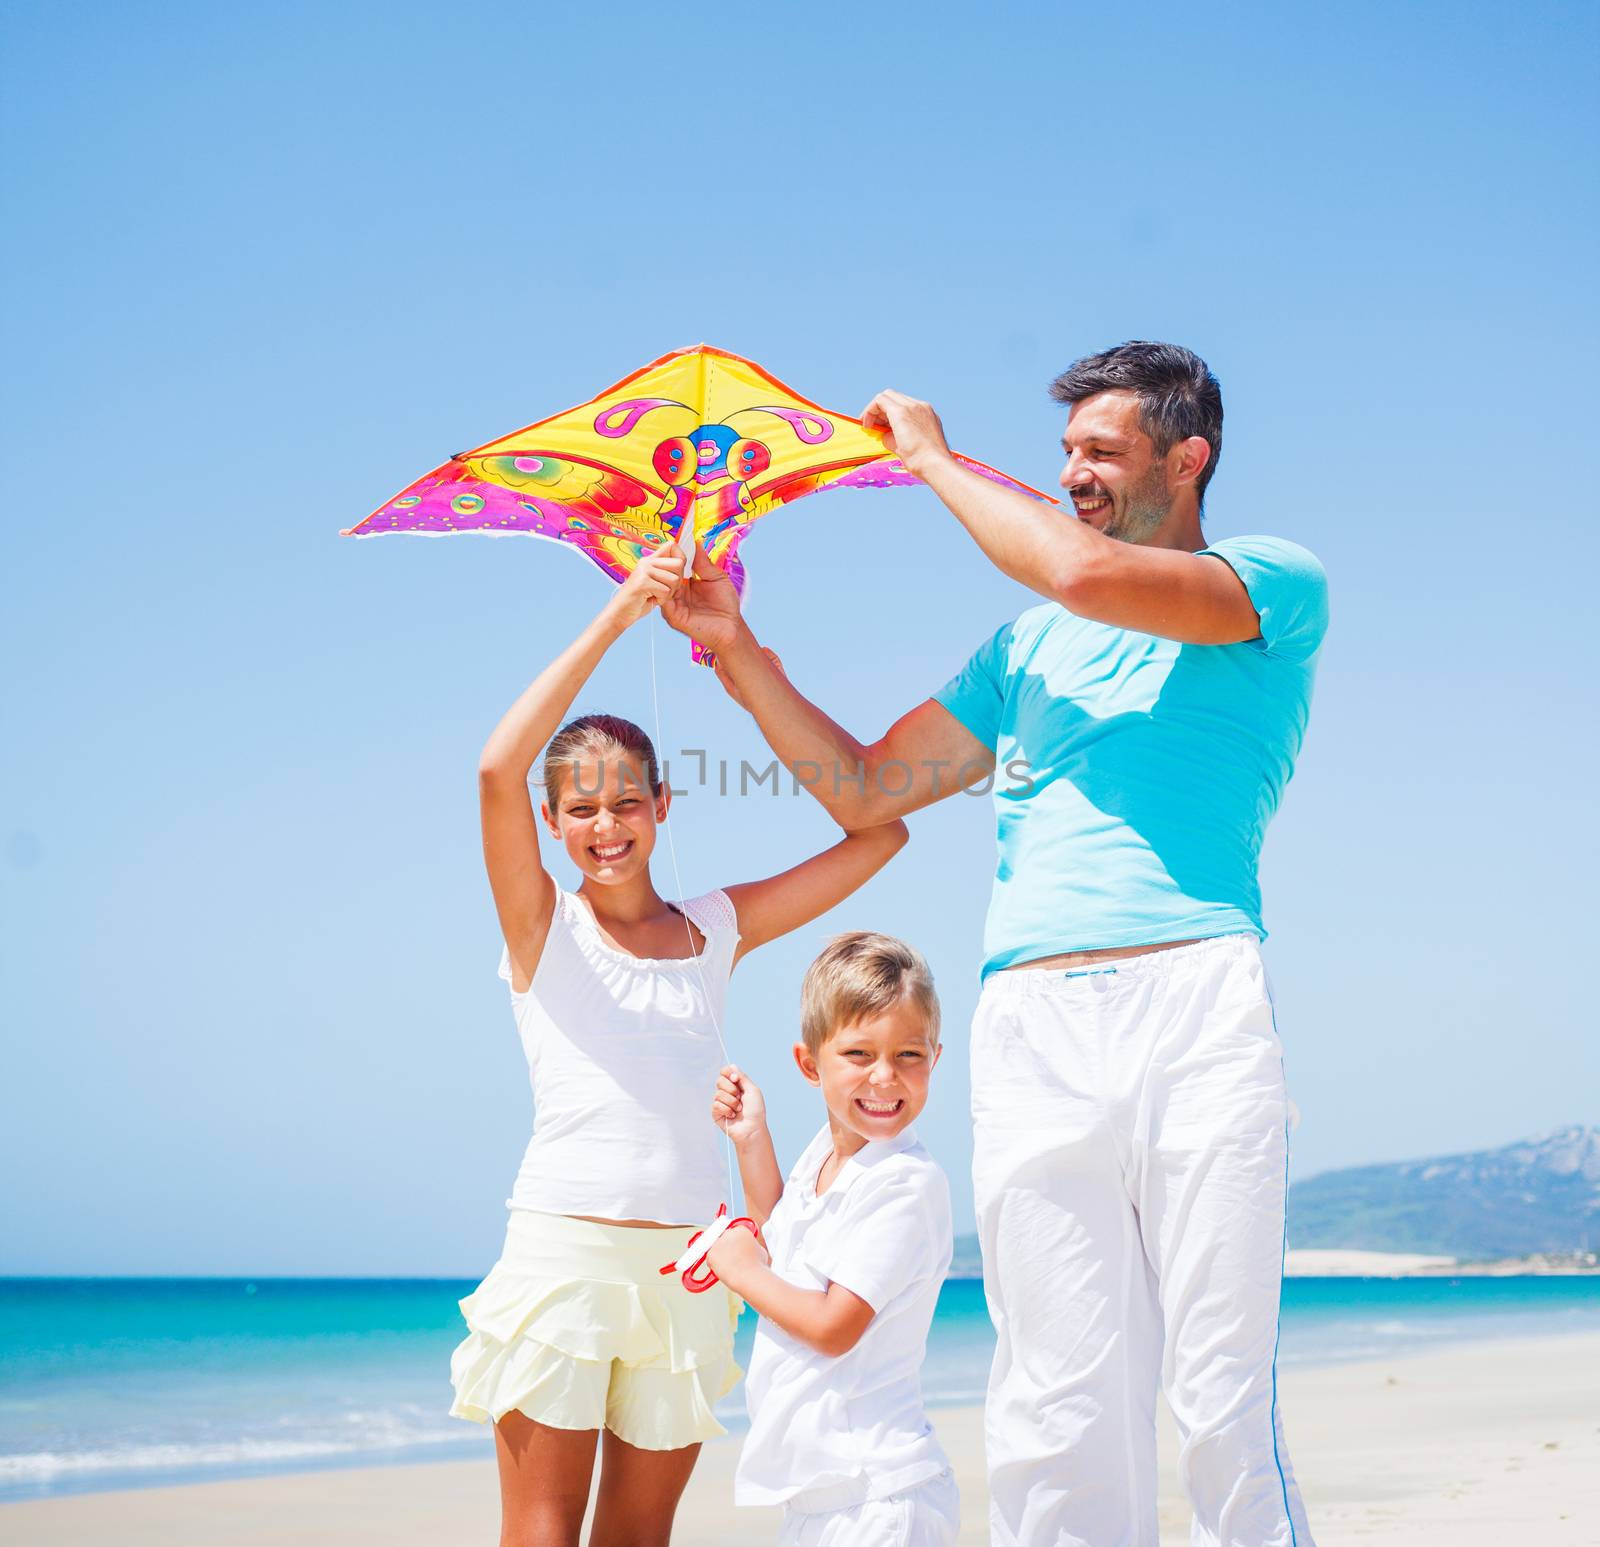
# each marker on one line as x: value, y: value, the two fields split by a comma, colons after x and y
x: 599, y: 736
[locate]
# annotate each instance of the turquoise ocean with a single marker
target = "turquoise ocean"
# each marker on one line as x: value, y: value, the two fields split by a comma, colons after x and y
x: 114, y: 1383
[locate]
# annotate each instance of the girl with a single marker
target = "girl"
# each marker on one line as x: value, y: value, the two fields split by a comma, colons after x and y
x: 617, y: 995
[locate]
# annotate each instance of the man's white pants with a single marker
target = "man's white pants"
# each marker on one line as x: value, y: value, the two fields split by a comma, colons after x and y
x: 1130, y: 1168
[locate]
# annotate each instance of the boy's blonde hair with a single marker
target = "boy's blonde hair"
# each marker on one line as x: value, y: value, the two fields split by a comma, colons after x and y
x: 862, y: 974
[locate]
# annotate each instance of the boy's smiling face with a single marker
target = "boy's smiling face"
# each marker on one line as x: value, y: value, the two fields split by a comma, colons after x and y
x: 873, y: 1074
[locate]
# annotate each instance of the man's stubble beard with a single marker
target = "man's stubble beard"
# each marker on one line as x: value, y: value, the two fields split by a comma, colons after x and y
x: 1148, y: 505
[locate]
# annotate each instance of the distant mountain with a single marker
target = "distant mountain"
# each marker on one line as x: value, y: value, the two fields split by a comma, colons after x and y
x: 1539, y: 1196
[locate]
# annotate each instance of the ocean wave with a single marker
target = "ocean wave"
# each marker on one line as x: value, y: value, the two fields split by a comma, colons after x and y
x: 956, y: 1396
x: 176, y: 1456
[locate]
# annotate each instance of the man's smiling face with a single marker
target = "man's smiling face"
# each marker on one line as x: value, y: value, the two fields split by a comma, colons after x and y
x: 1117, y: 483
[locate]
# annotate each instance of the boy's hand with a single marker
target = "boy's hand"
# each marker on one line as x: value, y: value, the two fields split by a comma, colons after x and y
x: 654, y: 579
x: 738, y: 1107
x: 737, y: 1253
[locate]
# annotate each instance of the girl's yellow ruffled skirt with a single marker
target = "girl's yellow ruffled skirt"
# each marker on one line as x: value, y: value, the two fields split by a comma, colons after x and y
x: 576, y: 1327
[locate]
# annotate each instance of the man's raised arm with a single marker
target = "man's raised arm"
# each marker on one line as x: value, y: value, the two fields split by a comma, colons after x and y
x: 1157, y: 585
x: 924, y: 756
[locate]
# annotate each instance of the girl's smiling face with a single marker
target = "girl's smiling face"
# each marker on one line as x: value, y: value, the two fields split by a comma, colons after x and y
x: 873, y: 1073
x: 606, y: 816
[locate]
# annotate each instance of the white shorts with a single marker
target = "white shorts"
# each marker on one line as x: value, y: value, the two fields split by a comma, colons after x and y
x: 1130, y: 1145
x: 928, y: 1515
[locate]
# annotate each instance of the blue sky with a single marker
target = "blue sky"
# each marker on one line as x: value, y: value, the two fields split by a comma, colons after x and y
x: 264, y: 266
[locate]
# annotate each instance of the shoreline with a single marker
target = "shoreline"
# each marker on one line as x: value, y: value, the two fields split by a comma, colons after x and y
x: 1478, y: 1444
x: 1348, y: 1262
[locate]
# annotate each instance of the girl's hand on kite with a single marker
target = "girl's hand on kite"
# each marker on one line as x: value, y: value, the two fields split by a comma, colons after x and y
x: 738, y: 1108
x: 707, y: 608
x: 727, y: 681
x: 652, y: 583
x: 738, y: 1253
x: 910, y: 429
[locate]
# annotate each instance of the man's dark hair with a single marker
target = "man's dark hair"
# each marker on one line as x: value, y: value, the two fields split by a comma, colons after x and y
x: 1178, y: 395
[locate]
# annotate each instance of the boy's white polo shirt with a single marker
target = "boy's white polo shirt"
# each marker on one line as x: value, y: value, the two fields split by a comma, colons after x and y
x: 833, y: 1432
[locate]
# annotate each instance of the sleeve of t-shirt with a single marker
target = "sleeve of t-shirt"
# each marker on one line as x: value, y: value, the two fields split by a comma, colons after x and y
x: 896, y: 1233
x: 976, y: 694
x: 1288, y: 589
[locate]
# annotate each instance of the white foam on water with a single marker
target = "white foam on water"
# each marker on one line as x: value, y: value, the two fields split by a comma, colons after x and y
x: 380, y: 1432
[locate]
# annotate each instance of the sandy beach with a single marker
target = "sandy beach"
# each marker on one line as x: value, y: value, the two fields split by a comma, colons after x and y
x: 1482, y: 1445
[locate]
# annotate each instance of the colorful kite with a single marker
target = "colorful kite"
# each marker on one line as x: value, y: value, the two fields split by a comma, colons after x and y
x: 700, y: 439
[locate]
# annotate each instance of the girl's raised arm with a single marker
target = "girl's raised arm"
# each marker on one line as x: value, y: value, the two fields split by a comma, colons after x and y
x: 767, y: 909
x: 524, y: 893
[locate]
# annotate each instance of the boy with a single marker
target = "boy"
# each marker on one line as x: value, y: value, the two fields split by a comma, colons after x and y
x: 860, y: 1241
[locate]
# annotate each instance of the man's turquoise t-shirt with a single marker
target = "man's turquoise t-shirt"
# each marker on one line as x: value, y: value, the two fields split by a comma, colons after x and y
x: 1135, y: 776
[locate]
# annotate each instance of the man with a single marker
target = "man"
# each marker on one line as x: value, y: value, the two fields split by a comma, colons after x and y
x: 1128, y: 1096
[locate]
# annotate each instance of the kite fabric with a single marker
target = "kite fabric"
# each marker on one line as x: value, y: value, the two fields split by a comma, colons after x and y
x: 699, y: 439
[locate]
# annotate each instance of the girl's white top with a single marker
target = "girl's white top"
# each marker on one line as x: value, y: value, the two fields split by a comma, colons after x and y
x: 623, y: 1053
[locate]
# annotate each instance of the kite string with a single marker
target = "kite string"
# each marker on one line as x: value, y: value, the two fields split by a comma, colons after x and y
x: 677, y: 882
